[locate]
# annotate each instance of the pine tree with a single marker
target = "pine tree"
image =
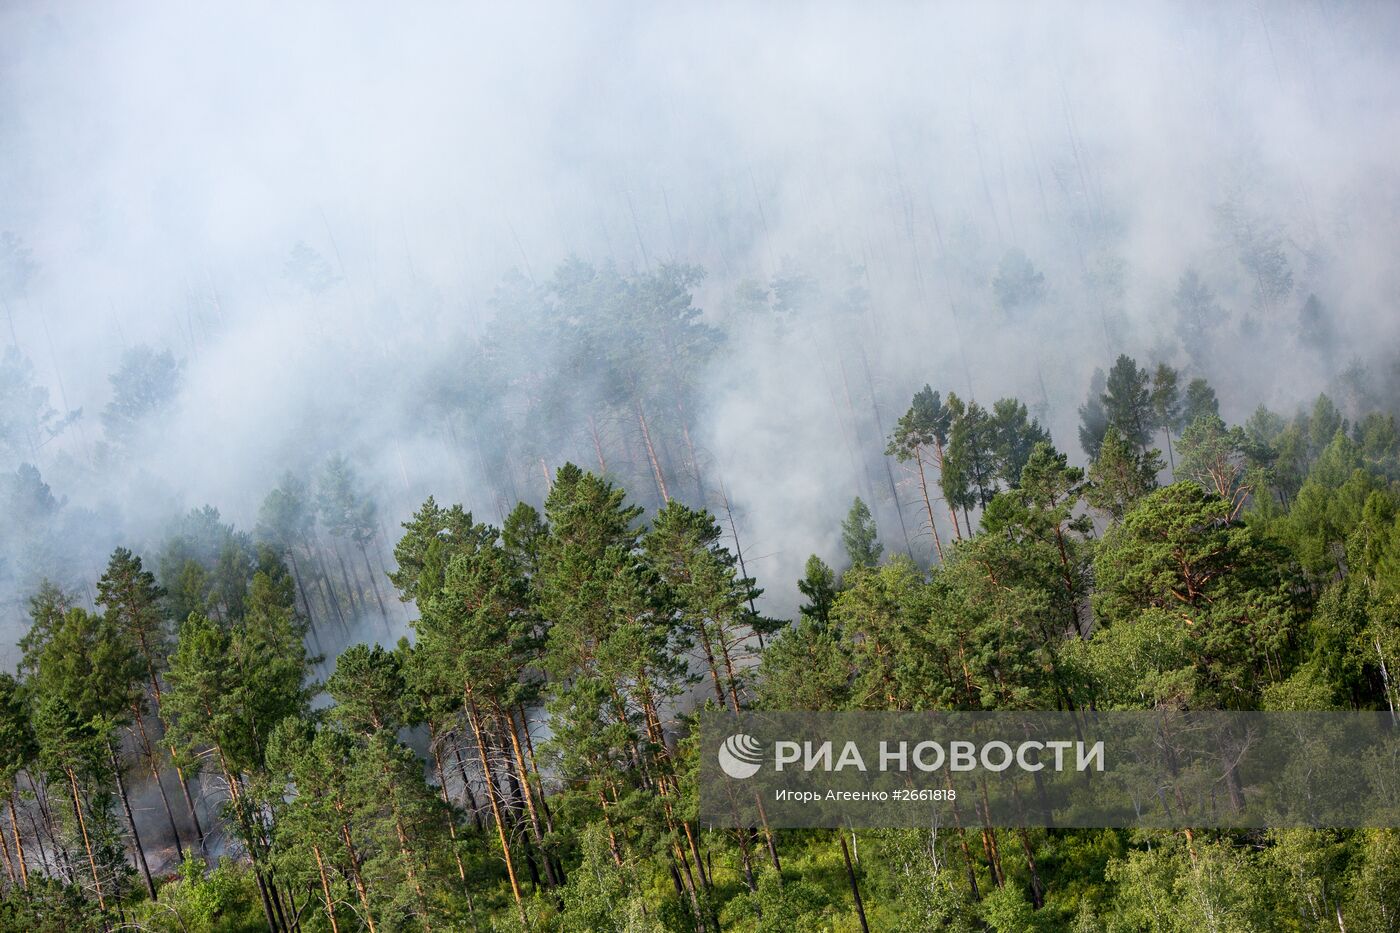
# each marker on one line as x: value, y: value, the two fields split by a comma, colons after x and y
x: 86, y: 681
x: 1093, y: 419
x: 1200, y: 401
x: 1166, y: 406
x: 1120, y: 475
x: 143, y: 387
x: 1127, y: 401
x: 1198, y: 313
x: 712, y: 601
x: 1014, y: 435
x: 133, y: 600
x: 920, y: 437
x: 818, y: 585
x: 860, y: 537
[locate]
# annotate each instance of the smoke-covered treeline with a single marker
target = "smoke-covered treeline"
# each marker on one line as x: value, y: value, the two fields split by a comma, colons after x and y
x: 424, y: 241
x: 526, y: 760
x: 271, y: 278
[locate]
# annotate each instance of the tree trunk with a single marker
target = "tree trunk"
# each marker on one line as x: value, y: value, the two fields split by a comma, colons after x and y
x: 325, y: 581
x: 179, y: 771
x: 475, y: 719
x: 305, y: 601
x: 651, y: 455
x: 149, y: 751
x: 326, y: 889
x: 131, y: 820
x: 355, y: 605
x: 87, y: 840
x: 355, y: 875
x: 19, y: 842
x: 855, y: 888
x: 928, y: 505
x: 451, y: 822
x: 952, y: 510
x: 467, y: 785
x: 374, y: 585
x: 529, y: 795
x: 9, y: 863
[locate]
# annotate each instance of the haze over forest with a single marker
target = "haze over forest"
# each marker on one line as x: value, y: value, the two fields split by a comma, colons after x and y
x: 393, y: 239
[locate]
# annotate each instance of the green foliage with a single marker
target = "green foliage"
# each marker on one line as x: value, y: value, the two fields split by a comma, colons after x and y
x: 1121, y: 475
x: 860, y: 537
x: 1268, y: 578
x: 143, y: 387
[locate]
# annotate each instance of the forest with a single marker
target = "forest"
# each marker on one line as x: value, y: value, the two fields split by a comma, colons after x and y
x: 523, y: 757
x: 413, y: 421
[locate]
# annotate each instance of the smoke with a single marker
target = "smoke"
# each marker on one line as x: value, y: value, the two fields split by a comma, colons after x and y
x: 312, y: 206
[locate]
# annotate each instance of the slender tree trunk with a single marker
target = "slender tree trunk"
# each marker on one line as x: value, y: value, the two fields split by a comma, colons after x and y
x: 1037, y: 888
x: 149, y: 751
x: 355, y: 875
x: 467, y: 785
x: 305, y: 600
x: 529, y: 796
x: 690, y: 452
x: 889, y: 470
x: 855, y: 888
x: 374, y: 584
x: 9, y: 864
x: 952, y: 509
x: 928, y: 506
x: 329, y: 587
x: 651, y: 455
x: 179, y: 771
x: 87, y: 840
x: 475, y: 720
x: 326, y: 889
x: 355, y: 605
x: 19, y: 842
x: 131, y: 820
x: 442, y: 788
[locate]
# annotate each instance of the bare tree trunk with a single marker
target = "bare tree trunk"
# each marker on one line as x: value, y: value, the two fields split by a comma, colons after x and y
x: 651, y: 455
x: 355, y: 875
x: 326, y: 888
x: 87, y: 840
x: 19, y: 843
x: 442, y: 787
x: 928, y: 505
x: 529, y: 796
x: 149, y: 752
x: 355, y: 604
x: 467, y: 785
x: 305, y: 601
x: 328, y: 587
x: 374, y: 584
x: 9, y: 864
x: 475, y: 720
x: 131, y: 820
x: 855, y: 888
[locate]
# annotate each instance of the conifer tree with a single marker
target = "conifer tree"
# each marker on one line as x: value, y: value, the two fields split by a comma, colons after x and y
x: 1127, y: 401
x: 818, y: 585
x: 860, y: 537
x: 1166, y: 406
x: 1199, y: 401
x: 133, y: 600
x: 920, y: 437
x: 1093, y: 419
x: 1121, y: 475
